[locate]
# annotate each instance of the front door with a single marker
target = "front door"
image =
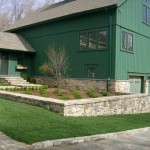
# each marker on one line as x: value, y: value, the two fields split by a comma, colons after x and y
x: 4, y: 57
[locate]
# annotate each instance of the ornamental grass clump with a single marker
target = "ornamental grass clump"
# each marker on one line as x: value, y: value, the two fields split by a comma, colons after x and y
x: 76, y: 94
x: 91, y: 94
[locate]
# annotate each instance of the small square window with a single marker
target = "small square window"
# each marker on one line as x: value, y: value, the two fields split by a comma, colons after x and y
x: 91, y: 72
x: 92, y: 40
x: 83, y: 41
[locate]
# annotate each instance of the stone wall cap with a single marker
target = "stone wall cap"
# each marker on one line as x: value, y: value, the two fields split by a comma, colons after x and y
x: 74, y: 102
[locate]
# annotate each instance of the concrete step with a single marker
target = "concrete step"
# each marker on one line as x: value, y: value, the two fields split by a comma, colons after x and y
x: 18, y: 81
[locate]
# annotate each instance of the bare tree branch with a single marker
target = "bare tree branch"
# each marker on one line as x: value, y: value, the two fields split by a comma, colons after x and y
x: 58, y: 62
x: 21, y: 8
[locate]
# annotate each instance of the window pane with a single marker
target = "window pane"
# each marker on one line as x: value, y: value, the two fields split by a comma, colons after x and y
x: 91, y: 72
x: 130, y: 42
x: 144, y: 14
x: 20, y: 59
x: 145, y: 1
x: 83, y: 41
x: 148, y: 16
x: 124, y: 40
x: 92, y: 40
x: 148, y: 2
x: 102, y: 40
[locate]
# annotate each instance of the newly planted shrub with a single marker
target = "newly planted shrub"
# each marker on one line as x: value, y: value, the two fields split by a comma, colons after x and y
x: 91, y: 94
x: 76, y: 94
x: 64, y: 97
x: 44, y: 95
x: 28, y: 91
x: 105, y: 93
x: 45, y: 86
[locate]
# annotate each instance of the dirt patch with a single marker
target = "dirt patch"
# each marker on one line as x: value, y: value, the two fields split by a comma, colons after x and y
x: 66, y: 94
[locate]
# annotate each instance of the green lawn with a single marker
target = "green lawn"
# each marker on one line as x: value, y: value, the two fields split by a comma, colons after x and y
x: 31, y: 124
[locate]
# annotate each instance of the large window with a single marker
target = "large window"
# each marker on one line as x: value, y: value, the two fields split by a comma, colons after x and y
x: 94, y: 40
x: 127, y: 41
x: 146, y: 11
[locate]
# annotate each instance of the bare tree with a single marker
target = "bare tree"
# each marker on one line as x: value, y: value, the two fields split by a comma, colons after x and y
x: 4, y: 21
x: 49, y: 2
x: 20, y: 8
x: 58, y: 63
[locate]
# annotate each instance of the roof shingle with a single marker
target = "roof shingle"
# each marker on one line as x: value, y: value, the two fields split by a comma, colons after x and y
x: 11, y: 41
x: 60, y: 10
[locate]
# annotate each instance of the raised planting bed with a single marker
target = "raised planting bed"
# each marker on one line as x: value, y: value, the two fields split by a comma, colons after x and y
x: 111, y: 105
x: 63, y: 94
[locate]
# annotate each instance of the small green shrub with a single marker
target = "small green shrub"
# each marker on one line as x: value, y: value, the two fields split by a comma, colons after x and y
x: 45, y: 95
x: 29, y: 78
x: 33, y: 80
x: 105, y: 93
x: 91, y: 94
x: 76, y: 94
x: 4, y: 84
x: 24, y: 88
x: 6, y: 89
x: 45, y: 86
x: 64, y: 97
x: 28, y: 91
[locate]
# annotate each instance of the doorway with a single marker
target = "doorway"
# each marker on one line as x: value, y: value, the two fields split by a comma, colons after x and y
x: 4, y: 60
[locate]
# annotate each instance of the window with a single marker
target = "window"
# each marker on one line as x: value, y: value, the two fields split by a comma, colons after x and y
x: 83, y: 41
x: 94, y: 40
x: 127, y: 41
x: 20, y: 59
x: 102, y: 39
x: 91, y: 72
x: 146, y: 11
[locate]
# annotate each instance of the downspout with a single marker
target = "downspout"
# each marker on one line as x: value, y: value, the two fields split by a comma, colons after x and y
x: 110, y: 49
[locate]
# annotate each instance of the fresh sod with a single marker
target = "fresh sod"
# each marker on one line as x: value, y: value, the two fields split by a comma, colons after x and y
x: 31, y: 124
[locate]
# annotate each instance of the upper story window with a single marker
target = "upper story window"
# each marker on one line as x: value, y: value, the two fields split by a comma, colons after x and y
x: 127, y: 41
x: 146, y: 11
x: 94, y: 40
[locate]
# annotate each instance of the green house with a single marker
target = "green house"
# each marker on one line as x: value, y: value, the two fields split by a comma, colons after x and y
x: 105, y: 40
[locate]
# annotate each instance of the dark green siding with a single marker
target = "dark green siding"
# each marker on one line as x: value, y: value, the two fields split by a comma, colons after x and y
x: 66, y: 33
x: 129, y: 18
x: 12, y: 63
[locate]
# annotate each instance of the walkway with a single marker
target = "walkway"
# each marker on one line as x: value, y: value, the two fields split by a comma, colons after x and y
x: 140, y: 141
x: 6, y: 143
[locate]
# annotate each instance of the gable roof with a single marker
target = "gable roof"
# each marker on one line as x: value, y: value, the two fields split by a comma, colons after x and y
x: 11, y: 41
x: 61, y: 9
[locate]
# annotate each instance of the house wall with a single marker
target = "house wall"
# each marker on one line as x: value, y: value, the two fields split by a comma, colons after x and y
x: 65, y: 33
x: 28, y: 61
x: 129, y: 18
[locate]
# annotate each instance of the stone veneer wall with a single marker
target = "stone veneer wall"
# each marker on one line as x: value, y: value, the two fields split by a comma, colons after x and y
x: 126, y: 104
x: 86, y: 84
x: 122, y: 86
x: 79, y: 84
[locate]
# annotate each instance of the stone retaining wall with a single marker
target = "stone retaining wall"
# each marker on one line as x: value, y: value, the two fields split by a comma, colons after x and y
x: 126, y: 104
x: 78, y: 84
x: 97, y: 85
